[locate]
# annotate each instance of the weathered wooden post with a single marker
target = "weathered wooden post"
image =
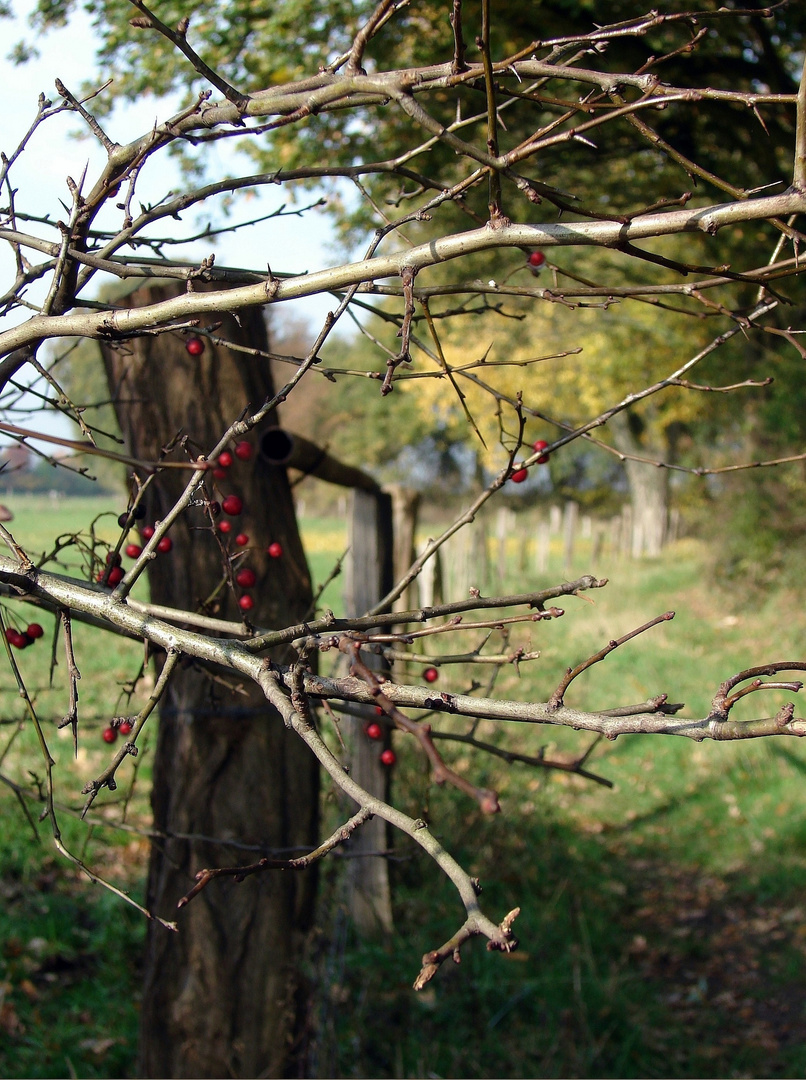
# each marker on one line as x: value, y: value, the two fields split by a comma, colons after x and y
x: 405, y: 512
x: 369, y: 576
x: 570, y: 518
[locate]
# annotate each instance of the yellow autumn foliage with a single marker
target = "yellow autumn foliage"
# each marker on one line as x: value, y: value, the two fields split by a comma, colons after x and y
x: 621, y: 350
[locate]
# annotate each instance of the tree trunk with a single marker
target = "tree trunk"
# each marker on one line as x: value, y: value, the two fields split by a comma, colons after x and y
x: 224, y: 997
x: 649, y: 490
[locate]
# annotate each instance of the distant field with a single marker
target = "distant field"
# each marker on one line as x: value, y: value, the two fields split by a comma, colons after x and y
x: 663, y: 925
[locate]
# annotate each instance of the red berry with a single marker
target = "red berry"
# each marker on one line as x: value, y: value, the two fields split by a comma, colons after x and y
x: 379, y: 710
x: 195, y: 346
x: 541, y: 444
x: 125, y: 728
x: 275, y: 550
x: 112, y: 578
x: 113, y: 557
x: 165, y: 544
x: 232, y: 505
x: 14, y: 637
x: 148, y: 532
x: 224, y: 459
x: 220, y: 474
x: 22, y: 641
x: 109, y: 734
x: 224, y: 526
x: 241, y: 539
x: 430, y: 674
x: 243, y: 450
x: 246, y: 578
x: 374, y: 731
x: 536, y: 259
x: 519, y: 476
x: 214, y: 507
x: 134, y: 551
x: 246, y: 603
x: 388, y: 757
x: 34, y: 631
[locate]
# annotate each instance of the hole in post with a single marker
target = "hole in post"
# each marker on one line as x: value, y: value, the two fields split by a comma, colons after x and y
x: 276, y: 446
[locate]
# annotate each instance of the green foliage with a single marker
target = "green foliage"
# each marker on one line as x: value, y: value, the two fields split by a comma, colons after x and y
x: 255, y: 46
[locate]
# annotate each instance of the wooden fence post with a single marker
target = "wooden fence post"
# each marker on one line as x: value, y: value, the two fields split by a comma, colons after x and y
x: 569, y: 533
x: 369, y: 576
x: 543, y: 545
x: 405, y: 511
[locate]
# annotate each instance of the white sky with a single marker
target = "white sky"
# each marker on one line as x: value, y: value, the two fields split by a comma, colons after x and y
x: 58, y: 149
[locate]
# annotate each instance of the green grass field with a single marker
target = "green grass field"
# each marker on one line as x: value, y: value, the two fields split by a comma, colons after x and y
x: 663, y: 927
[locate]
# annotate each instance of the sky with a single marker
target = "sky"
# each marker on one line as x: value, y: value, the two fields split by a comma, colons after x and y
x: 60, y: 148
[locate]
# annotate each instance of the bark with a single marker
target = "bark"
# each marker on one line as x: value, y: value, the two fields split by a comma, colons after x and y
x: 649, y: 491
x: 223, y: 997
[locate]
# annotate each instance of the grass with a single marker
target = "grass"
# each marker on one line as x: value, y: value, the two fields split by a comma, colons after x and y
x: 662, y: 928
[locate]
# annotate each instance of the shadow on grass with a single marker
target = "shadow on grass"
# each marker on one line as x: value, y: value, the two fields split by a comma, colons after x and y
x: 634, y: 961
x: 632, y: 964
x: 69, y: 968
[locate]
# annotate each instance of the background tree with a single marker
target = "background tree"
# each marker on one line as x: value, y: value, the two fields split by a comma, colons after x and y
x: 516, y: 177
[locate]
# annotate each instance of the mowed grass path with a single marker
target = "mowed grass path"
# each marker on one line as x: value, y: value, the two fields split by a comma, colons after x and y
x: 663, y: 929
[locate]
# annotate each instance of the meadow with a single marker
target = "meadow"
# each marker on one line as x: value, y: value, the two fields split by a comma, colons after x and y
x: 663, y: 926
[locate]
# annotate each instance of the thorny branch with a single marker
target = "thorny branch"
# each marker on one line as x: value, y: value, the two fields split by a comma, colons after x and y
x: 573, y: 104
x: 301, y: 862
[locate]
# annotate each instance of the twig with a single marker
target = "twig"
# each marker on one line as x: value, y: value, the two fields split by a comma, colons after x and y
x: 539, y: 762
x: 723, y: 700
x: 407, y: 275
x: 179, y: 40
x: 494, y: 202
x: 378, y: 17
x: 340, y: 836
x: 331, y: 625
x: 501, y: 940
x: 107, y: 777
x: 73, y: 675
x: 458, y: 64
x: 556, y: 698
x: 88, y: 118
x: 799, y: 169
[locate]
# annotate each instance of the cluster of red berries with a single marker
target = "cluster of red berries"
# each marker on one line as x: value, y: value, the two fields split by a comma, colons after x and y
x: 243, y: 451
x: 132, y: 550
x: 21, y: 640
x: 110, y: 734
x: 519, y: 475
x: 232, y: 506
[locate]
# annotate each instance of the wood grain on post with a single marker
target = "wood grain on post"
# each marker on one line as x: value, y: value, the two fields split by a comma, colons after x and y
x: 369, y: 577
